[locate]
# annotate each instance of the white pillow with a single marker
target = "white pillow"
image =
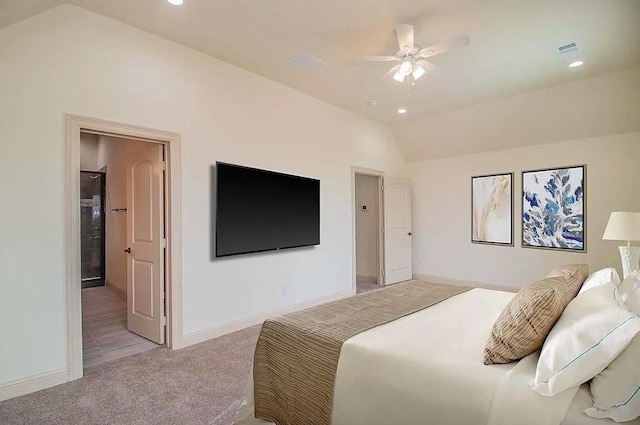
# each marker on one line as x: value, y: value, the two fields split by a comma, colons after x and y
x: 599, y: 278
x: 592, y: 331
x: 616, y: 390
x: 630, y: 291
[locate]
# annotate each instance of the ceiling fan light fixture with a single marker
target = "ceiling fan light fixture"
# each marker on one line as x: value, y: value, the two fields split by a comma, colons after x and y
x: 405, y: 68
x: 399, y: 76
x: 411, y: 57
x: 418, y: 72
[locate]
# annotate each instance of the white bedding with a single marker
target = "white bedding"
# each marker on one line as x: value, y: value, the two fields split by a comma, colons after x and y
x: 426, y: 368
x: 583, y: 401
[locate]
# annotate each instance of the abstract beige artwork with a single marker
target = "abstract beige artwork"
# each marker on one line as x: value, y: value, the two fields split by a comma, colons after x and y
x: 492, y: 209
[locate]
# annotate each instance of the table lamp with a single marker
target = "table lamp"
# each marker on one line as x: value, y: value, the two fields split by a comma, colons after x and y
x: 625, y: 226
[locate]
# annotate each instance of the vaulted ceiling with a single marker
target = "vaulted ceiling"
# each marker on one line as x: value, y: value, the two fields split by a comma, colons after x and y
x: 512, y: 50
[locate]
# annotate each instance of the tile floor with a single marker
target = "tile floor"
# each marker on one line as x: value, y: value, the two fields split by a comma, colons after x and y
x: 104, y: 328
x: 364, y: 286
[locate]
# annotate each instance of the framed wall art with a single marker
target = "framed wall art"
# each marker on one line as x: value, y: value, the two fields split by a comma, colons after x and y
x: 492, y: 209
x: 553, y: 208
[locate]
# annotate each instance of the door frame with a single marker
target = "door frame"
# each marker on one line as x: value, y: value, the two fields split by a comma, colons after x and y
x: 173, y: 265
x: 380, y: 175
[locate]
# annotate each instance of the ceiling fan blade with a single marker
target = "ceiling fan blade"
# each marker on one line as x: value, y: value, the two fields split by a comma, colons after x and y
x: 391, y: 72
x: 378, y: 58
x: 428, y: 67
x: 405, y: 37
x: 447, y: 46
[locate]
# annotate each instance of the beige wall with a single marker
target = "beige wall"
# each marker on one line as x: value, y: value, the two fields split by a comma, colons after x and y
x: 367, y: 226
x: 114, y: 154
x: 89, y: 152
x: 442, y: 198
x: 69, y: 60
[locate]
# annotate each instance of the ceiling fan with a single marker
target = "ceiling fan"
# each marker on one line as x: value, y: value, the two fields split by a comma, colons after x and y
x: 412, y: 57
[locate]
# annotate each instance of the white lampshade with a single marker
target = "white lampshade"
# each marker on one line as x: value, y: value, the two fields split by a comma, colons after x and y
x: 623, y: 226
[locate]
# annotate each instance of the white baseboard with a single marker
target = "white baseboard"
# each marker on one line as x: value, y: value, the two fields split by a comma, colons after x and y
x: 239, y: 324
x: 458, y: 282
x: 32, y: 384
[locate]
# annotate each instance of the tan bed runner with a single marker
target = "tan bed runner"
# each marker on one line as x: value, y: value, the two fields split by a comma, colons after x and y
x: 297, y: 354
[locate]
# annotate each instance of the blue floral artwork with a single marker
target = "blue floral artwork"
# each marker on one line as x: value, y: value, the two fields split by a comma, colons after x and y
x: 553, y: 208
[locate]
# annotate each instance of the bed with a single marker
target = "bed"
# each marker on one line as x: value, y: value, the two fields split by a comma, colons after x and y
x: 426, y: 368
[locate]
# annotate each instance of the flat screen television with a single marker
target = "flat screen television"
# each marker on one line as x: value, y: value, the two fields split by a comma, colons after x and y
x: 259, y: 210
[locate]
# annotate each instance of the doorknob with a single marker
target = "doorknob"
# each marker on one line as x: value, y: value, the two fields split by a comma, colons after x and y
x: 409, y: 233
x: 128, y: 250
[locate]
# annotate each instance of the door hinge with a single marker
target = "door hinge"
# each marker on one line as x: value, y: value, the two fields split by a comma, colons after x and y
x: 164, y: 165
x: 163, y: 244
x: 163, y: 321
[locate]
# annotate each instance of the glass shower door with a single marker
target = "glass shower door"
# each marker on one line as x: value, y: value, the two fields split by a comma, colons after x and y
x: 92, y: 227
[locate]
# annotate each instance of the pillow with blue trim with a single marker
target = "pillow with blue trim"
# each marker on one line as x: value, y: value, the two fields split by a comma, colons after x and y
x: 593, y: 330
x: 616, y: 390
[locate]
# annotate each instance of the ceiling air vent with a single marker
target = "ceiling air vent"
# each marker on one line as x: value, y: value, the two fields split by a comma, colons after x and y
x: 308, y: 62
x: 567, y: 51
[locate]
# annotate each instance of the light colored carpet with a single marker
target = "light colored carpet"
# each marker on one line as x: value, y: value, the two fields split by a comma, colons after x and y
x: 201, y: 384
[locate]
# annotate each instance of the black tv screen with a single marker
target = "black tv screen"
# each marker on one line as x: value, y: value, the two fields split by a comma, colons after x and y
x: 259, y: 210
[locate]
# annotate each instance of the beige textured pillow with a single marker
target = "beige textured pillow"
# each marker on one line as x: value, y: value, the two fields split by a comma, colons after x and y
x: 527, y: 320
x: 576, y: 273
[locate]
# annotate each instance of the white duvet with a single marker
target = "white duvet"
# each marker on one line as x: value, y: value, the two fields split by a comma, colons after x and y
x: 426, y: 369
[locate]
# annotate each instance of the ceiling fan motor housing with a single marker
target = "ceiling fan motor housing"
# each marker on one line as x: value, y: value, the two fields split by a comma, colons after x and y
x: 408, y: 51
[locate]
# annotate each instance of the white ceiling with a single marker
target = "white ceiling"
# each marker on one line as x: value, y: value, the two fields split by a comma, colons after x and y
x: 512, y: 46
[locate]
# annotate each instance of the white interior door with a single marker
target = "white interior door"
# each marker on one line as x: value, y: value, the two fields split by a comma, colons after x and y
x: 146, y: 243
x: 397, y: 230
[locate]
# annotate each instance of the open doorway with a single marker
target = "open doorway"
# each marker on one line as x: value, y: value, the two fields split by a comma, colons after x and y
x: 122, y: 242
x: 158, y: 314
x: 369, y: 221
x: 382, y: 236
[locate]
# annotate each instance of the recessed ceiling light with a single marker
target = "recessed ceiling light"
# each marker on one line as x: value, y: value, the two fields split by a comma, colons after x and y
x: 402, y: 110
x: 176, y: 2
x: 372, y: 102
x: 576, y: 64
